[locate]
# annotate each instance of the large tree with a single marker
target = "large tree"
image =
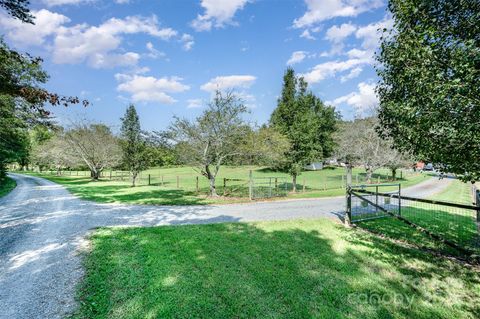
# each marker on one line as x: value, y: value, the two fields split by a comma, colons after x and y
x: 14, y: 141
x: 306, y: 122
x: 218, y: 135
x: 22, y: 94
x: 95, y: 145
x: 429, y: 68
x: 134, y: 147
x: 358, y: 144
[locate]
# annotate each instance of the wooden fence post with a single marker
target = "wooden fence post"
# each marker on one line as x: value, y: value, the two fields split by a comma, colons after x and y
x: 276, y: 184
x: 224, y: 186
x: 148, y: 179
x: 162, y: 181
x: 178, y: 181
x: 196, y: 184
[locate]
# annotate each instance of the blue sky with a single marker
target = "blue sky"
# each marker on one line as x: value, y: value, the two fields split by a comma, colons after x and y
x: 167, y: 57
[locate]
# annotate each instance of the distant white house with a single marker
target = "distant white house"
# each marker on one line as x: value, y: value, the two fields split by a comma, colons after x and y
x: 314, y: 166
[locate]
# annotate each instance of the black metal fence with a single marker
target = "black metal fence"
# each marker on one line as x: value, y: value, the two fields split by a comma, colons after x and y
x: 384, y: 210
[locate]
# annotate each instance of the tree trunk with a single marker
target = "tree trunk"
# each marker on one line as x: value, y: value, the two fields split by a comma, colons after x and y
x: 134, y: 178
x: 394, y: 174
x: 369, y: 175
x: 211, y: 179
x: 294, y: 183
x: 95, y: 174
x: 213, y: 189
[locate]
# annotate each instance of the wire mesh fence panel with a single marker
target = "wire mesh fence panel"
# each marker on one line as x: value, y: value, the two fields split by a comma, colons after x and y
x: 371, y: 204
x: 454, y: 224
x: 268, y: 187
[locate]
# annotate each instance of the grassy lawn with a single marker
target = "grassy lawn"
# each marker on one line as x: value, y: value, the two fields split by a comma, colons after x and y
x: 454, y: 224
x: 6, y: 186
x: 290, y: 269
x: 327, y: 182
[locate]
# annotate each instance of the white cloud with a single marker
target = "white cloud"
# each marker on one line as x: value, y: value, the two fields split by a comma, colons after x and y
x: 154, y: 53
x: 46, y: 23
x: 187, y: 40
x: 228, y: 82
x: 353, y: 74
x: 306, y: 34
x: 321, y: 10
x: 217, y: 14
x: 112, y: 60
x: 339, y: 33
x: 331, y: 68
x: 358, y: 54
x: 297, y: 57
x: 370, y: 34
x: 91, y: 43
x: 98, y: 46
x: 363, y: 100
x: 149, y: 88
x: 194, y: 103
x: 52, y: 3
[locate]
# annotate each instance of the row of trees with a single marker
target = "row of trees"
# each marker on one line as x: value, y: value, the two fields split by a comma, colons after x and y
x: 301, y: 130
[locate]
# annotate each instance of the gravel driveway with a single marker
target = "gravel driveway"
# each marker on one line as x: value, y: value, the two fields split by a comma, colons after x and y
x: 43, y: 226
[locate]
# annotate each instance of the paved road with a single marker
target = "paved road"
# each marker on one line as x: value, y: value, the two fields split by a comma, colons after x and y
x: 43, y: 226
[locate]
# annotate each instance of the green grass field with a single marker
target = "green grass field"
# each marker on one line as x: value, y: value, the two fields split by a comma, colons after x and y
x: 327, y: 182
x: 454, y: 224
x: 6, y: 186
x: 290, y: 269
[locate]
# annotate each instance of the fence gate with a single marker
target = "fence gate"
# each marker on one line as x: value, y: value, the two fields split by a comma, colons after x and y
x: 375, y: 201
x: 268, y: 187
x: 453, y: 224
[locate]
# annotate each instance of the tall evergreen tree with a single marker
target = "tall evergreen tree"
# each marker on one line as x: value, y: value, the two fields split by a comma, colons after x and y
x: 133, y: 144
x: 306, y: 122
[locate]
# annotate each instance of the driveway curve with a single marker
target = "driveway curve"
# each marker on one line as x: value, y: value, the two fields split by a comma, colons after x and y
x: 43, y: 229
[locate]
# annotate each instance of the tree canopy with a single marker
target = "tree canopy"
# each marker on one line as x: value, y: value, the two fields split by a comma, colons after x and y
x: 429, y: 68
x: 306, y: 122
x: 219, y: 134
x: 134, y: 147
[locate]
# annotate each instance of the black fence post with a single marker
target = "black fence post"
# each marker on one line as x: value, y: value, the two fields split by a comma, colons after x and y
x: 399, y: 199
x: 148, y: 179
x: 196, y: 184
x: 348, y: 215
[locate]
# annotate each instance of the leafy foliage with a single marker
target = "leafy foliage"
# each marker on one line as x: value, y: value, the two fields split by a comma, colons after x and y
x: 215, y: 136
x: 306, y: 122
x: 221, y: 134
x: 94, y: 144
x: 18, y: 9
x: 359, y: 144
x: 429, y: 89
x: 134, y: 148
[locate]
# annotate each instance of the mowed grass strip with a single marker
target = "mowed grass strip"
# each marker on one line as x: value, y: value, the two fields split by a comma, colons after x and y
x: 289, y: 269
x: 7, y: 184
x: 328, y: 182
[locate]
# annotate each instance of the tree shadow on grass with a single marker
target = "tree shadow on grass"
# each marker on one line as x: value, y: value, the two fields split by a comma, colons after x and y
x: 246, y: 271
